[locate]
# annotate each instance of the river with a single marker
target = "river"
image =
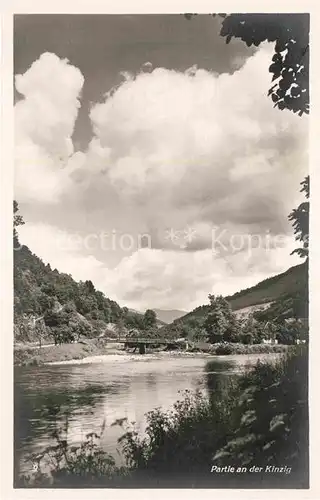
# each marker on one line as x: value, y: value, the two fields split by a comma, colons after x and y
x: 103, y: 389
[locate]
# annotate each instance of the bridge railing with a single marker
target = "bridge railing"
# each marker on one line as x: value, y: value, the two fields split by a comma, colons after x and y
x: 142, y: 340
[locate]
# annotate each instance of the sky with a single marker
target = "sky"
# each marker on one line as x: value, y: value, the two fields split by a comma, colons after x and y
x: 149, y: 159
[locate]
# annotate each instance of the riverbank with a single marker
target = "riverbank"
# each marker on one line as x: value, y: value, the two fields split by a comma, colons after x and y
x: 27, y: 355
x: 32, y: 355
x: 226, y: 349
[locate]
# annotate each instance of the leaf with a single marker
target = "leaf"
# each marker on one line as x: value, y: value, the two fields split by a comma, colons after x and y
x: 277, y: 422
x: 248, y: 417
x: 221, y: 454
x: 268, y: 445
x: 271, y: 89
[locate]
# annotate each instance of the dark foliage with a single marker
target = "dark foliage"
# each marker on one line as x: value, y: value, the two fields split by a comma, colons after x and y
x: 290, y: 62
x: 259, y: 419
x: 221, y: 323
x: 271, y: 419
x: 149, y: 319
x: 300, y: 220
x: 17, y: 221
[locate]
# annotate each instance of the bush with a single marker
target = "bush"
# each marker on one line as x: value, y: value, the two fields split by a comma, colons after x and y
x: 220, y: 349
x: 74, y: 466
x: 224, y: 349
x: 249, y: 423
x: 271, y: 417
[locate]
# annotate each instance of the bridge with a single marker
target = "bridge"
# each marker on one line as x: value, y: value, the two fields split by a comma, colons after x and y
x: 142, y: 342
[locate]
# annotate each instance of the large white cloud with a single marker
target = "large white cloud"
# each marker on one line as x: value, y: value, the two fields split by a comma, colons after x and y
x: 170, y: 150
x: 166, y: 278
x: 197, y: 147
x: 159, y: 278
x: 61, y: 250
x: 44, y: 124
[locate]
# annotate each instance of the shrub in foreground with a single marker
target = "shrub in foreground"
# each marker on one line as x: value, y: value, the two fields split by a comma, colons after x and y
x: 260, y: 419
x: 86, y: 465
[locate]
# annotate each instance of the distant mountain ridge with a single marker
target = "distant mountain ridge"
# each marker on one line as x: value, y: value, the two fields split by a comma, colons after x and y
x: 169, y: 315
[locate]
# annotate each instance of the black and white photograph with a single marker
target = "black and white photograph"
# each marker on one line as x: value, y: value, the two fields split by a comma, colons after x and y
x: 161, y: 250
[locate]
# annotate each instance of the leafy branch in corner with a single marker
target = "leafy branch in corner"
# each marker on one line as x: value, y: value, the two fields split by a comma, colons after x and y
x: 300, y: 221
x: 290, y: 62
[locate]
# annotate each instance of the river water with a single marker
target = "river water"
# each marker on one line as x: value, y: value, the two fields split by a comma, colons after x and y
x: 102, y: 389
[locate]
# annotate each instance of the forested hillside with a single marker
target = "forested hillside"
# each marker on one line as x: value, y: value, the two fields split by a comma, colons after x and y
x: 287, y: 292
x: 49, y: 304
x: 291, y: 282
x: 63, y: 305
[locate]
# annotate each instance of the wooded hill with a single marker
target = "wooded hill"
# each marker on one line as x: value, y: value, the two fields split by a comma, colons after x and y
x: 287, y: 292
x: 49, y: 303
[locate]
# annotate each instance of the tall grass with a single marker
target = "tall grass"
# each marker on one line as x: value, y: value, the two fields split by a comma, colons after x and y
x: 257, y: 419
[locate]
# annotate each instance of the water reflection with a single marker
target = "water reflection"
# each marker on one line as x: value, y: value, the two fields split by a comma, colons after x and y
x: 217, y: 376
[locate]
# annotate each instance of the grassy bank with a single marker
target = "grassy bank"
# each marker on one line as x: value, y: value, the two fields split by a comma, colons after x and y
x: 225, y: 349
x: 64, y: 352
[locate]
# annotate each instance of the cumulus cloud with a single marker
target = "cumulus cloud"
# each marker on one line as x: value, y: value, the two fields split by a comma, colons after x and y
x: 159, y: 278
x: 170, y: 150
x: 164, y: 278
x: 61, y: 250
x: 209, y: 148
x: 44, y: 124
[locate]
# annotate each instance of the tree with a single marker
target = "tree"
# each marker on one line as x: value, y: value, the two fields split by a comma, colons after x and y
x: 46, y: 302
x: 63, y: 335
x: 120, y: 328
x: 17, y: 218
x: 232, y: 331
x: 17, y: 221
x: 125, y: 312
x: 300, y: 221
x: 270, y: 330
x: 247, y: 330
x: 290, y: 62
x: 89, y: 286
x: 40, y: 330
x: 59, y: 324
x: 221, y: 323
x: 291, y: 331
x: 149, y: 318
x: 79, y: 328
x: 215, y: 325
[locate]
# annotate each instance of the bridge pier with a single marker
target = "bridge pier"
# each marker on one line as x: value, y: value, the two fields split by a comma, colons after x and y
x: 142, y: 348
